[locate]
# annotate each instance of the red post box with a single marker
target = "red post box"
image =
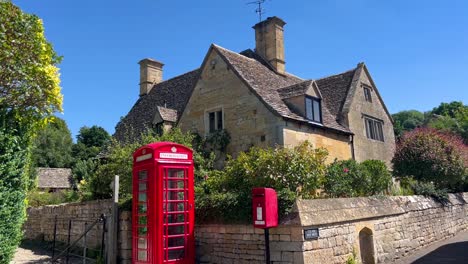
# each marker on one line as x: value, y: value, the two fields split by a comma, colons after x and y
x: 163, y: 204
x: 264, y: 207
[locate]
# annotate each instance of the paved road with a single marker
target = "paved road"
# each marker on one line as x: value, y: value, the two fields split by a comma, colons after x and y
x: 451, y: 251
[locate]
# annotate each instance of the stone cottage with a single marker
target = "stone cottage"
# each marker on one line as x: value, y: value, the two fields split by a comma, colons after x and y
x: 252, y: 96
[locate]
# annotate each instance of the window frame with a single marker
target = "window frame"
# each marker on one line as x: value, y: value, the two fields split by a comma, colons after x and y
x: 367, y: 93
x: 374, y: 128
x: 312, y: 100
x: 217, y: 113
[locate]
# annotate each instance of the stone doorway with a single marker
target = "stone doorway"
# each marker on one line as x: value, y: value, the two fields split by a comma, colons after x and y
x: 366, y: 246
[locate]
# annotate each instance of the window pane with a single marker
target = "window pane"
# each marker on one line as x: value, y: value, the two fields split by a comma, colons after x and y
x: 219, y: 120
x: 372, y: 130
x: 317, y: 111
x: 142, y: 175
x: 142, y: 197
x: 142, y: 186
x: 380, y: 131
x: 176, y: 254
x: 366, y: 123
x: 142, y: 231
x: 309, y: 108
x: 142, y: 243
x: 211, y: 120
x: 142, y: 255
x: 142, y: 220
x: 142, y: 209
x: 176, y: 242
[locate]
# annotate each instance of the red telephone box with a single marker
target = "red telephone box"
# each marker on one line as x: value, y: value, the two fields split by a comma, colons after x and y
x: 163, y: 204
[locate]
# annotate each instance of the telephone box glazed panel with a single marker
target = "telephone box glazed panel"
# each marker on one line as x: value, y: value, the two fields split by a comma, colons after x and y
x: 163, y: 204
x: 264, y: 207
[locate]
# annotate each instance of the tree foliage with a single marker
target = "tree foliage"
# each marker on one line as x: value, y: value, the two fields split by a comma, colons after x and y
x: 90, y: 141
x: 429, y: 155
x: 448, y: 117
x: 29, y: 78
x: 406, y: 121
x: 119, y: 158
x: 53, y: 145
x: 29, y: 95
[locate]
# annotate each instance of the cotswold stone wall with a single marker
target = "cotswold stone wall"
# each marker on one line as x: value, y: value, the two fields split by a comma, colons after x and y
x: 40, y: 221
x: 40, y: 225
x: 378, y: 230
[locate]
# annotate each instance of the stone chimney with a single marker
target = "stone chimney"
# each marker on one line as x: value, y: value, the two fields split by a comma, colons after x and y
x: 150, y: 74
x: 269, y: 42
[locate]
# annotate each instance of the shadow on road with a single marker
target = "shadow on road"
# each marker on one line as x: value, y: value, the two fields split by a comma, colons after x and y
x: 455, y: 253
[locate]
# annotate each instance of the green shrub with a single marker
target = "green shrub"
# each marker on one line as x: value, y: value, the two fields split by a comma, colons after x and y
x: 345, y: 178
x: 37, y: 198
x: 430, y: 190
x: 293, y: 173
x: 14, y: 162
x: 350, y: 179
x: 379, y: 177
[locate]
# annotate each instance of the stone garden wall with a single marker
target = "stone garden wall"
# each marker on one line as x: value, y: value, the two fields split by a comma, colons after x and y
x: 378, y: 230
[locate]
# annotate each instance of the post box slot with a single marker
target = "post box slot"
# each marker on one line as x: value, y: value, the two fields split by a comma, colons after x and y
x: 259, y: 195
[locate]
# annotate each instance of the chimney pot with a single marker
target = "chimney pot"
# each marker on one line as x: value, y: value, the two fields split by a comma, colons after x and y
x: 150, y: 74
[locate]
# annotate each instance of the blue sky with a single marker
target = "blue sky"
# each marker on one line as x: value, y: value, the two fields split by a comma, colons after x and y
x: 416, y: 51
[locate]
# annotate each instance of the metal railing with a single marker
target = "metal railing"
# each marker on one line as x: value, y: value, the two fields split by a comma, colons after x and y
x: 73, y: 246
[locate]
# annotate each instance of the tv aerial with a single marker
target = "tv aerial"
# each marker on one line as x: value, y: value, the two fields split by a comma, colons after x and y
x: 260, y: 10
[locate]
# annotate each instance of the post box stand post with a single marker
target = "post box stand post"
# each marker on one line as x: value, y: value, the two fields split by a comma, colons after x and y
x: 267, y: 245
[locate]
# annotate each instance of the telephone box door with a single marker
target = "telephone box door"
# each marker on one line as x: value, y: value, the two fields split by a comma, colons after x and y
x: 177, y: 215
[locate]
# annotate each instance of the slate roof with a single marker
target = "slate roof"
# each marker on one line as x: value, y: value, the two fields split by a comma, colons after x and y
x: 168, y: 114
x: 170, y: 97
x: 334, y: 90
x: 54, y: 178
x: 295, y: 90
x: 173, y: 94
x: 266, y: 83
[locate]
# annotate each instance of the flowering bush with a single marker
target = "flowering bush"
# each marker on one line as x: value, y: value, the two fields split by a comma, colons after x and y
x: 428, y: 155
x: 350, y: 179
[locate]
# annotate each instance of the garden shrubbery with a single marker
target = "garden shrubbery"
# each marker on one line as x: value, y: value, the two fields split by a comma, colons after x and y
x: 430, y: 156
x: 348, y: 178
x: 294, y: 173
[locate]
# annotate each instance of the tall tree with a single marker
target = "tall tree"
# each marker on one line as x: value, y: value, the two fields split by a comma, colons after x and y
x: 407, y: 121
x: 53, y: 146
x: 29, y: 95
x: 90, y: 141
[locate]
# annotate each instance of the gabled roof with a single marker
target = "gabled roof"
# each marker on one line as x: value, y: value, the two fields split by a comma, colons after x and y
x: 335, y: 89
x: 265, y: 84
x: 54, y: 178
x: 167, y: 114
x: 295, y: 89
x: 173, y: 93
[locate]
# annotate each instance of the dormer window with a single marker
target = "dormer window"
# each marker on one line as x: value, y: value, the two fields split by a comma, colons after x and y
x: 313, y: 109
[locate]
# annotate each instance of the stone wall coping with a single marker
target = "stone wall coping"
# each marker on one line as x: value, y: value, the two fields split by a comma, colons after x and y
x: 68, y: 205
x: 319, y: 212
